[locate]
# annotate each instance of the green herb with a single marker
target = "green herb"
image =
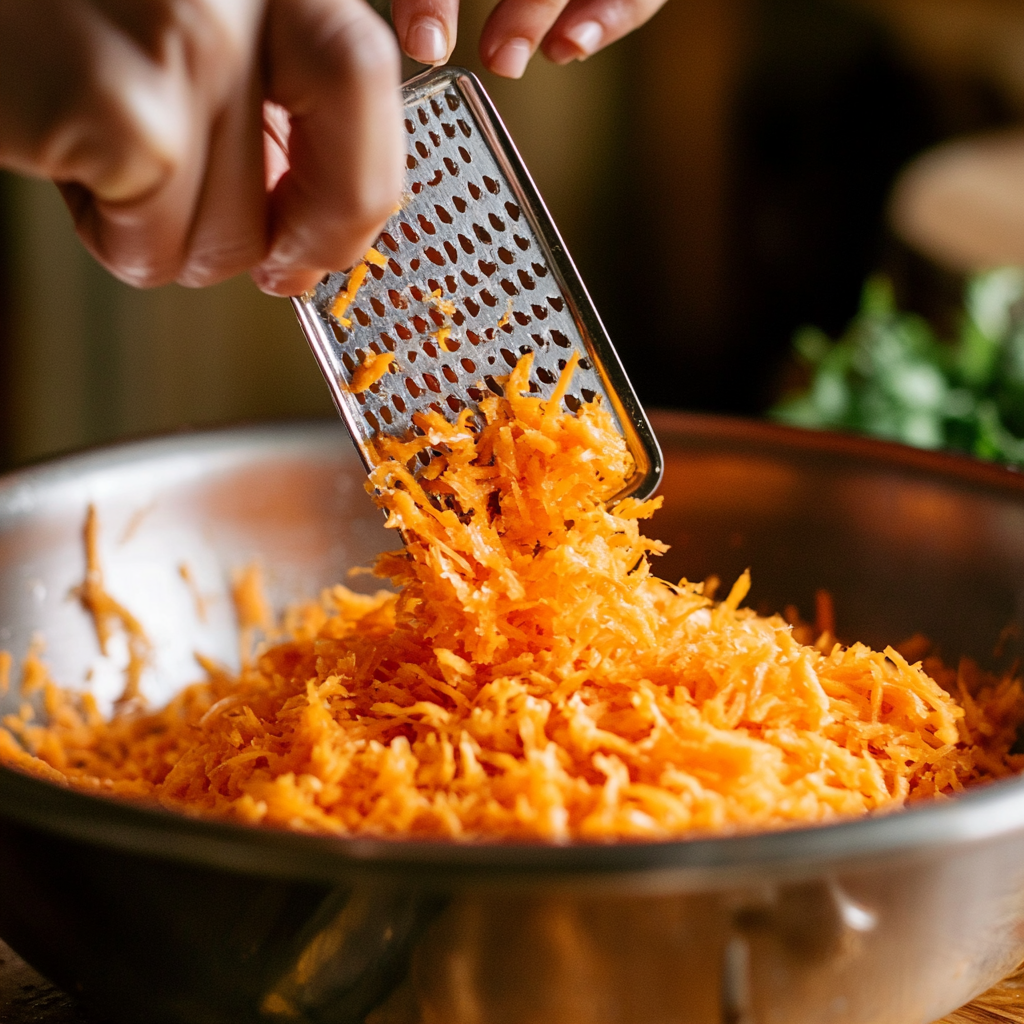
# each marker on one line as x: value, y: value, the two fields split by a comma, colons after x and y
x: 890, y: 376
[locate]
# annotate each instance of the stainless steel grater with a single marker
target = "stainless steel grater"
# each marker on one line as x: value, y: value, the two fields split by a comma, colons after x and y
x: 470, y: 274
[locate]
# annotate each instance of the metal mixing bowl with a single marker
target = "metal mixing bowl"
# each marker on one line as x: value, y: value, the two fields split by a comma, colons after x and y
x: 156, y: 917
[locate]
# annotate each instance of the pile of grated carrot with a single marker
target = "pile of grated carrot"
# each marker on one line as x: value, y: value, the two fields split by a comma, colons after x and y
x: 531, y: 679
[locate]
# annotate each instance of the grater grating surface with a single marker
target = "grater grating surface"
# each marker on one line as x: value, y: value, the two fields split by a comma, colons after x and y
x: 474, y: 275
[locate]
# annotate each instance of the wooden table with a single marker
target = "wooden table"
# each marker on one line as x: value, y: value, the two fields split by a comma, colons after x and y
x: 25, y: 998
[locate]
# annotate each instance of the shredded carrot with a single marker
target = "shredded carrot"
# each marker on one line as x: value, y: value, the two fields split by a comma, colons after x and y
x: 5, y: 671
x: 106, y: 612
x: 378, y: 259
x: 370, y: 370
x: 530, y: 677
x: 347, y: 295
x: 185, y: 572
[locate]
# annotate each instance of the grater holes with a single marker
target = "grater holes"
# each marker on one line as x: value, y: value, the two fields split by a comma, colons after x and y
x: 562, y: 342
x: 471, y: 279
x: 389, y: 342
x: 388, y: 239
x: 364, y: 320
x: 585, y: 364
x: 372, y: 420
x: 496, y: 222
x: 421, y: 148
x: 539, y: 269
x: 415, y: 292
x: 339, y: 332
x: 488, y: 298
x: 426, y: 225
x: 410, y: 127
x: 556, y: 302
x: 403, y: 332
x: 476, y: 394
x: 588, y: 395
x: 573, y: 403
x: 509, y: 357
x: 377, y: 272
x: 437, y: 316
x: 376, y: 305
x: 430, y: 349
x: 507, y: 328
x: 521, y: 318
x: 423, y: 115
x: 527, y: 282
x: 374, y: 347
x: 435, y: 107
x: 482, y: 233
x: 449, y: 374
x: 458, y: 318
x: 433, y: 285
x: 475, y: 191
x: 546, y: 375
x: 346, y: 360
x: 395, y: 267
x: 513, y: 211
x: 508, y: 287
x: 464, y: 153
x: 397, y: 300
x: 409, y: 233
x: 505, y: 256
x: 416, y: 187
x: 411, y: 162
x: 361, y: 398
x: 435, y: 139
x: 411, y: 355
x: 453, y: 253
x: 414, y: 264
x: 539, y: 311
x: 398, y: 402
x: 434, y: 256
x: 466, y: 244
x: 419, y: 323
x: 464, y: 128
x: 454, y: 404
x: 468, y: 365
x: 492, y: 186
x: 443, y: 215
x: 453, y: 167
x: 451, y: 284
x: 448, y: 128
x: 474, y: 338
x: 534, y: 388
x: 413, y: 388
x: 385, y: 415
x: 460, y: 204
x: 436, y: 179
x: 539, y: 340
x: 433, y: 383
x: 494, y: 386
x: 523, y: 243
x: 487, y: 268
x: 472, y: 305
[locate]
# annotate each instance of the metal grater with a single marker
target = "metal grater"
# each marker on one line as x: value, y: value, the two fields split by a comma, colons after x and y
x: 475, y: 276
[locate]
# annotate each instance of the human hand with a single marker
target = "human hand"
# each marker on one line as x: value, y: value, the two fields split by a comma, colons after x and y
x: 150, y: 116
x: 564, y: 30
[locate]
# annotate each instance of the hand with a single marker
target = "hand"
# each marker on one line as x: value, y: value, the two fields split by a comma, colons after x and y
x: 565, y: 30
x: 150, y: 116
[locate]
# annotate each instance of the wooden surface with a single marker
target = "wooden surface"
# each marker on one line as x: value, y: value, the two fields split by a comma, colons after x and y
x: 25, y: 998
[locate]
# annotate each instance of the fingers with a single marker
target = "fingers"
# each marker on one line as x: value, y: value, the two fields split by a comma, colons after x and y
x: 586, y: 26
x: 334, y: 67
x: 565, y: 32
x: 426, y: 28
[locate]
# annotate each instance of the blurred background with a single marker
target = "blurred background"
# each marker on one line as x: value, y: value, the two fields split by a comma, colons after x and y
x: 728, y: 173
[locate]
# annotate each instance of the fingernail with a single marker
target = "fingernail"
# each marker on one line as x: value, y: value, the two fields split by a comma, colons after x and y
x: 427, y: 41
x: 510, y: 59
x: 586, y: 36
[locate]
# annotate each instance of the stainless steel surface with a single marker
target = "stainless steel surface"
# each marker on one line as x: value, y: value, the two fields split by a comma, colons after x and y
x: 474, y: 233
x: 158, y: 917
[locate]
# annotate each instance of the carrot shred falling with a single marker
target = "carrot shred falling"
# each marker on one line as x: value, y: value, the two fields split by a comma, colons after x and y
x: 530, y: 678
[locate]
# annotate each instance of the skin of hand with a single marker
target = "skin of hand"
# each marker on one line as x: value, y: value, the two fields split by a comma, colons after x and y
x: 196, y: 139
x: 564, y: 30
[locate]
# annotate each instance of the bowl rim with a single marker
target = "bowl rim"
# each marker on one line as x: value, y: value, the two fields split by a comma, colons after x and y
x: 986, y: 813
